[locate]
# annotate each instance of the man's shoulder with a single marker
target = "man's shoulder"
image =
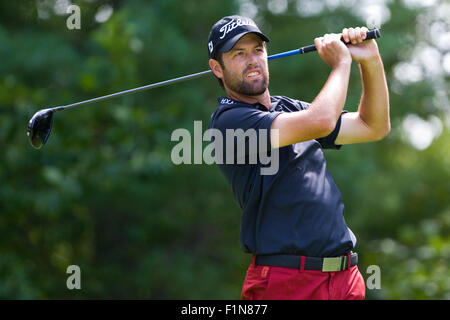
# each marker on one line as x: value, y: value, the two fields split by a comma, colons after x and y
x: 227, y: 109
x: 232, y: 107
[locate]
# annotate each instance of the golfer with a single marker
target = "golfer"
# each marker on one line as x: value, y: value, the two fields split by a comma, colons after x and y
x: 293, y: 221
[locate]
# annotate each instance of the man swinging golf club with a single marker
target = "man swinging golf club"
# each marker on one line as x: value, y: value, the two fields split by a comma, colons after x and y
x: 293, y: 221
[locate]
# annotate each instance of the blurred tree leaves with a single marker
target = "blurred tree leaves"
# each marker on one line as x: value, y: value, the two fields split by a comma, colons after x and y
x: 103, y: 193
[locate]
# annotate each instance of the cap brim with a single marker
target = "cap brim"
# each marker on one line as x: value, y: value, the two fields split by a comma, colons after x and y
x: 231, y: 42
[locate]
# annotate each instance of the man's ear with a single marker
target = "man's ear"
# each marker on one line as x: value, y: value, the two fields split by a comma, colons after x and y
x: 216, y: 68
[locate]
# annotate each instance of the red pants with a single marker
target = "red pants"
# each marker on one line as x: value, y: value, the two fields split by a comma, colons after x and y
x: 279, y: 283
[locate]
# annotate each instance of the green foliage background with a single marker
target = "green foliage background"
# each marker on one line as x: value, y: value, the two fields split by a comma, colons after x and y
x: 103, y: 193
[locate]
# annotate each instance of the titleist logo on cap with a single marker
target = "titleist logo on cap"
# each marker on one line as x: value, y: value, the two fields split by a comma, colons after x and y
x: 227, y: 31
x: 233, y: 24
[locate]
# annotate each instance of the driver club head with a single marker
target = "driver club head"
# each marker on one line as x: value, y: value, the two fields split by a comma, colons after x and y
x: 39, y: 127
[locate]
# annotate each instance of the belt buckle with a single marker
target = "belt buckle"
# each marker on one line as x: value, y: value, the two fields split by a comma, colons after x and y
x: 333, y: 264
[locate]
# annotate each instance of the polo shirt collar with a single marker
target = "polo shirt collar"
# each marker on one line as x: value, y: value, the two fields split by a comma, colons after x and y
x: 231, y: 102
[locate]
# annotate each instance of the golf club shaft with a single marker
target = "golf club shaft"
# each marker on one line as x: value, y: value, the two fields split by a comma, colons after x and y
x: 373, y: 34
x: 125, y: 92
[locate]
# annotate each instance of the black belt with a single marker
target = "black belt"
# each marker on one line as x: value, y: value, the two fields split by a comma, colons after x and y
x: 331, y: 264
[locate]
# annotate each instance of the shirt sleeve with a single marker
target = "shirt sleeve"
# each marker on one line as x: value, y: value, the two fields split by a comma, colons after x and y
x: 328, y: 141
x: 246, y: 130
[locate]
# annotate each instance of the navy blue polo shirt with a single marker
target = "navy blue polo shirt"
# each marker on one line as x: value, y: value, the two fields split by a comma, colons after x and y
x: 299, y: 209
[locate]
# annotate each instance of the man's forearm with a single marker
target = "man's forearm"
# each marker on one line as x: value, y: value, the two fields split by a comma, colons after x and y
x: 374, y: 105
x: 331, y: 99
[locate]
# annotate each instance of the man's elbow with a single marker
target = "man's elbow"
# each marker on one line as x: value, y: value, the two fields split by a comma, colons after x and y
x: 388, y: 129
x: 382, y: 133
x: 327, y: 126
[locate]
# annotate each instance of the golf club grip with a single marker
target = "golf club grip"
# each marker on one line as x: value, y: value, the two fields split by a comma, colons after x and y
x: 372, y: 34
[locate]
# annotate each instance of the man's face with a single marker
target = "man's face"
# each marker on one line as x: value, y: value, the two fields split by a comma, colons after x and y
x: 246, y: 71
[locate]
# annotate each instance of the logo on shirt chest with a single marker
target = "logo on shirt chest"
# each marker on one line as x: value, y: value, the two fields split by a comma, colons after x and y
x: 226, y: 101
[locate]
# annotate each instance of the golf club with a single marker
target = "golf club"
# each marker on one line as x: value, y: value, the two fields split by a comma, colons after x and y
x: 39, y: 126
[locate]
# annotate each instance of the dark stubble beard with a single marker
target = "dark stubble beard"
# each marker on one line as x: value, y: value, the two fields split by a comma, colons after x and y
x: 246, y: 88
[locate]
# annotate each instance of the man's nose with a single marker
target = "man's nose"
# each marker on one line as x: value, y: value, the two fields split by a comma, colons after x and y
x: 252, y: 59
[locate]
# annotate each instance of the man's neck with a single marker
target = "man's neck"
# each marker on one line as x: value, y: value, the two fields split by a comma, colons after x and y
x: 263, y: 98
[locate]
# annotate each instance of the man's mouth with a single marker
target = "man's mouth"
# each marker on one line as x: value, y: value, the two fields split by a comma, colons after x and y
x: 253, y: 74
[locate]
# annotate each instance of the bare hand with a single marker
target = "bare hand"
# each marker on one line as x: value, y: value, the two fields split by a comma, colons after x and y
x: 360, y: 50
x: 332, y: 50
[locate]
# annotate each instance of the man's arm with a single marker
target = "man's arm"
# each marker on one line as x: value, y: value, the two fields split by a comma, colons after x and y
x: 371, y: 121
x: 320, y: 118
